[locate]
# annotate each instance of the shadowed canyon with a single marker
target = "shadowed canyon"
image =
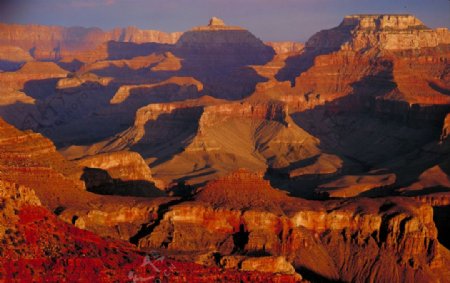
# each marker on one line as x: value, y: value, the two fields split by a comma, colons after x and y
x: 212, y: 156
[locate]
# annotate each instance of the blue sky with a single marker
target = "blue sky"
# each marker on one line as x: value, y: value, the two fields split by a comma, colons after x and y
x: 294, y: 20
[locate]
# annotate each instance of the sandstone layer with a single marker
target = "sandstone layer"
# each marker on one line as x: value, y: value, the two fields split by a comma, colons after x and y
x: 311, y: 235
x: 54, y: 42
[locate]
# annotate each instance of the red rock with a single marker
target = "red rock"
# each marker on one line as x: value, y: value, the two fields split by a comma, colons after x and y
x: 283, y: 47
x: 53, y: 42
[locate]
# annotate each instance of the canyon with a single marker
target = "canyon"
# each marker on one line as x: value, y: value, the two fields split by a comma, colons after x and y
x: 232, y: 159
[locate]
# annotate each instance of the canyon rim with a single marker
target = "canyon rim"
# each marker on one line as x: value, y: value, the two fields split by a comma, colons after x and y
x: 212, y: 155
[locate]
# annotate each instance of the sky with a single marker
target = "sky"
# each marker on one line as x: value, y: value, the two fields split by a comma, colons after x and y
x: 270, y: 20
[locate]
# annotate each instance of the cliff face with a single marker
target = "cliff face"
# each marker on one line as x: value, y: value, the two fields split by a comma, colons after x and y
x: 38, y: 246
x: 446, y: 129
x: 53, y: 43
x: 217, y: 119
x: 235, y: 214
x: 12, y: 57
x: 283, y: 47
x: 204, y: 131
x: 127, y: 171
x: 391, y: 65
x: 385, y: 32
x: 32, y: 160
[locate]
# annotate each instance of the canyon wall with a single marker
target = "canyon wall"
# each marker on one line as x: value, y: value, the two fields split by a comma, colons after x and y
x: 54, y: 42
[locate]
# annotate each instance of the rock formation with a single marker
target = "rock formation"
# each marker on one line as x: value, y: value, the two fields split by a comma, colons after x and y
x: 351, y: 186
x: 12, y: 57
x: 446, y: 129
x: 205, y: 131
x: 38, y: 246
x: 283, y: 47
x: 228, y: 219
x: 200, y: 144
x: 125, y: 170
x: 385, y: 32
x: 54, y: 43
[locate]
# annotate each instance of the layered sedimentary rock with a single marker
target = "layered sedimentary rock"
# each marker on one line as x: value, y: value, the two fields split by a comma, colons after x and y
x: 30, y: 71
x: 351, y: 186
x: 446, y: 129
x: 139, y: 91
x: 362, y: 118
x: 37, y: 246
x: 30, y: 159
x: 389, y: 64
x: 386, y: 32
x: 215, y: 57
x: 283, y: 47
x: 199, y: 139
x: 119, y: 173
x: 53, y: 42
x: 11, y: 57
x: 234, y: 42
x: 380, y: 238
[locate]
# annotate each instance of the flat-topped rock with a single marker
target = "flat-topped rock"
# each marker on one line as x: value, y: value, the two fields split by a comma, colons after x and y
x: 382, y: 32
x: 384, y: 21
x: 216, y: 22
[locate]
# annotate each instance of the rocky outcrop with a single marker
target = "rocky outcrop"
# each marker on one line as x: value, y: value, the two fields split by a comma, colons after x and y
x: 124, y: 91
x: 219, y: 56
x: 386, y: 32
x: 53, y: 42
x: 379, y: 238
x: 12, y: 57
x: 325, y: 164
x: 271, y: 111
x: 236, y: 191
x: 235, y: 45
x: 30, y: 159
x: 351, y: 186
x: 118, y: 218
x: 268, y: 264
x: 204, y: 131
x: 216, y: 22
x: 433, y: 177
x: 445, y: 129
x: 283, y: 47
x: 30, y: 71
x: 112, y: 68
x: 122, y: 166
x: 358, y: 66
x: 75, y: 81
x: 35, y: 245
x: 125, y: 165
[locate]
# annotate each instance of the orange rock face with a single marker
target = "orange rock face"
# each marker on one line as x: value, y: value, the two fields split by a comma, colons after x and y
x: 227, y: 218
x: 53, y: 43
x: 283, y: 47
x: 263, y: 162
x: 38, y: 246
x: 32, y: 160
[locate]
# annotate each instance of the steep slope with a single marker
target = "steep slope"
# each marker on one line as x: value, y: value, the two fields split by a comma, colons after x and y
x: 119, y: 173
x: 240, y: 215
x: 29, y: 159
x: 214, y: 58
x: 12, y: 57
x: 36, y: 246
x: 283, y: 47
x: 197, y: 140
x: 54, y: 42
x: 374, y: 91
x: 388, y: 57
